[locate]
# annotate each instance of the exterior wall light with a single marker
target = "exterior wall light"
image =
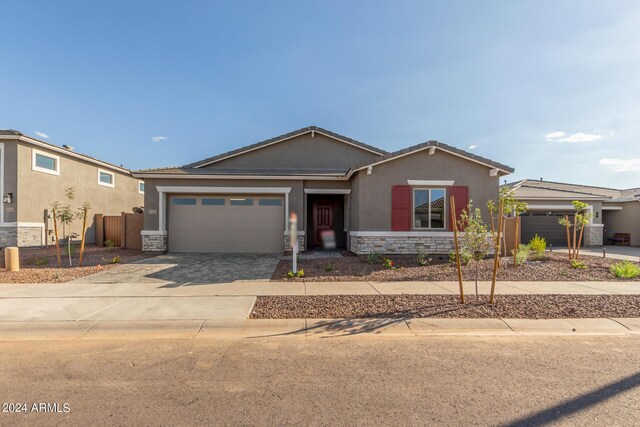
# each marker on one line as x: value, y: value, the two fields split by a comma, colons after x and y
x: 7, y: 198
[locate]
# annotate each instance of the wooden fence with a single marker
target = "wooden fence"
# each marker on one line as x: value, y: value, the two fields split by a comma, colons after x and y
x: 122, y: 230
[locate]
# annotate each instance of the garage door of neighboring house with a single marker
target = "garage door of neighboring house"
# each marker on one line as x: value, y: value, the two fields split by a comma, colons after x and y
x: 545, y: 224
x: 239, y: 224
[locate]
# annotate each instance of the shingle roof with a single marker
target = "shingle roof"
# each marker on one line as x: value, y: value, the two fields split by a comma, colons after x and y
x: 283, y: 137
x: 536, y: 189
x: 194, y: 168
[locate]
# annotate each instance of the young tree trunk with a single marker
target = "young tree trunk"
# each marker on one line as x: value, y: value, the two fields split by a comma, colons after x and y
x: 575, y: 230
x: 580, y: 241
x: 55, y: 231
x: 515, y: 241
x: 452, y: 203
x: 69, y: 249
x: 566, y: 219
x: 84, y: 232
x: 496, y: 255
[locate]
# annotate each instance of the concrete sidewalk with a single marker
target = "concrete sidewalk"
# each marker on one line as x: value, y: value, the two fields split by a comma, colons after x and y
x: 321, y: 328
x: 234, y: 300
x: 252, y: 289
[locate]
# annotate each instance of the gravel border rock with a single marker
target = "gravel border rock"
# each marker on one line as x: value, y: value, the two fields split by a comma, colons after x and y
x: 445, y: 306
x: 39, y: 265
x: 555, y: 267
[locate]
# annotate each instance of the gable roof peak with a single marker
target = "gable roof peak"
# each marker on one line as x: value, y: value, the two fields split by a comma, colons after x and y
x: 286, y: 136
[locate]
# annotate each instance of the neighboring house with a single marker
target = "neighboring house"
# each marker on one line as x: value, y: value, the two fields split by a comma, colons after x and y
x: 36, y: 173
x: 614, y: 211
x: 240, y: 201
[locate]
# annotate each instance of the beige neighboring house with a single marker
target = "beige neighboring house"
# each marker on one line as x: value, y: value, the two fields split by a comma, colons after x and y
x: 614, y: 211
x: 36, y: 173
x: 368, y: 198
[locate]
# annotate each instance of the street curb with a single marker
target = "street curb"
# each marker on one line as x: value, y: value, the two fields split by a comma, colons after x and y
x: 322, y: 328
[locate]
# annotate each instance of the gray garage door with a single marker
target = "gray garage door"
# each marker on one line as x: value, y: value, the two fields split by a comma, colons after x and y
x: 545, y: 224
x: 240, y: 224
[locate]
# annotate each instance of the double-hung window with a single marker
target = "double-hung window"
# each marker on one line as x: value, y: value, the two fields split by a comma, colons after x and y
x: 429, y: 208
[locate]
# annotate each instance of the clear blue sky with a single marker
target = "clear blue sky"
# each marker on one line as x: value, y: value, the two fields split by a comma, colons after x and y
x: 551, y: 88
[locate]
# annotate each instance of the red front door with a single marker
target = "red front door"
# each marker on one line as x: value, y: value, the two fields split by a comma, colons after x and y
x: 322, y: 220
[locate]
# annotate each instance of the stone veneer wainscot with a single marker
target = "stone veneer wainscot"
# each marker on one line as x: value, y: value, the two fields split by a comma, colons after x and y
x: 440, y: 242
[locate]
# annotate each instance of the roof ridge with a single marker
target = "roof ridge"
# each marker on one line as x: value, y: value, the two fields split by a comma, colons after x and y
x: 568, y: 183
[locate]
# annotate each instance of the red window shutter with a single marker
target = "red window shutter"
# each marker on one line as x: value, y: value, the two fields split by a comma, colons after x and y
x: 400, y: 208
x: 461, y: 196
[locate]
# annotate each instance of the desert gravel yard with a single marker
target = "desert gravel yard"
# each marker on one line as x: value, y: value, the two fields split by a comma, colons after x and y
x: 353, y: 268
x: 40, y: 265
x: 406, y: 306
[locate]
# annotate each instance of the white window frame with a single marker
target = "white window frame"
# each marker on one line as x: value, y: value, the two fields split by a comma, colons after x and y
x: 35, y: 152
x: 413, y: 209
x: 113, y: 178
x: 140, y: 182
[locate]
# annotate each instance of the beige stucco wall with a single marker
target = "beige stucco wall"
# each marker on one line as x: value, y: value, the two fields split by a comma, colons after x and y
x: 300, y: 152
x: 36, y: 191
x: 371, y: 195
x: 10, y: 180
x: 625, y: 221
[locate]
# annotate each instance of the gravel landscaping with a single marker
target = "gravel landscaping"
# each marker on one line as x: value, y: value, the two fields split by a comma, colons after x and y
x: 555, y: 267
x: 40, y: 265
x: 406, y: 306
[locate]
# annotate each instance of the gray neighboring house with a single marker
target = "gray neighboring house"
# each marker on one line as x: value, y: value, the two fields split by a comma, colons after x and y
x: 240, y: 201
x: 36, y: 173
x: 614, y: 211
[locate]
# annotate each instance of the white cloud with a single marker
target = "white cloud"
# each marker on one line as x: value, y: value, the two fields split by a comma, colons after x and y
x: 621, y: 165
x: 581, y: 137
x: 553, y: 135
x: 42, y: 135
x: 159, y: 138
x: 473, y: 147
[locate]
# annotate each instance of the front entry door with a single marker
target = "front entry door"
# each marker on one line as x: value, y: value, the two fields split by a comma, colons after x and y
x: 322, y: 220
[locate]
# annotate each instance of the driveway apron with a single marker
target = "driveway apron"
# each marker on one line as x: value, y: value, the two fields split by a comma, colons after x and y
x: 177, y: 269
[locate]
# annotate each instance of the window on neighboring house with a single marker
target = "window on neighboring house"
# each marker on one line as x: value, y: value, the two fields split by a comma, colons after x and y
x: 141, y: 187
x: 105, y: 178
x: 429, y: 208
x: 45, y: 162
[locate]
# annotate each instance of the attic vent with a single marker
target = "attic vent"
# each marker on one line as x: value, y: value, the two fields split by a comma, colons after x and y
x: 68, y: 147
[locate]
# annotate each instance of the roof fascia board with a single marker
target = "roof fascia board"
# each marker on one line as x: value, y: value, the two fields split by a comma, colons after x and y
x: 282, y: 140
x: 52, y: 147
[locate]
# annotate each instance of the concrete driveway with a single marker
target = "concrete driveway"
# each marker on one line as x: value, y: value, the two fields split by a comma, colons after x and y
x: 179, y: 269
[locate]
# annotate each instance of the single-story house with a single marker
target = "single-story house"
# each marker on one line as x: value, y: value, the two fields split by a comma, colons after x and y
x: 35, y: 173
x: 373, y: 200
x: 613, y: 211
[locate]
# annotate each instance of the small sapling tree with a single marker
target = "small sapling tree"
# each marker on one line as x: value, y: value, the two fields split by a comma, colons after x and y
x: 476, y: 236
x: 580, y: 220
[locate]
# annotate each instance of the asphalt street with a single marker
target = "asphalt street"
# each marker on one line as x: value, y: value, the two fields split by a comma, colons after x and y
x: 324, y: 381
